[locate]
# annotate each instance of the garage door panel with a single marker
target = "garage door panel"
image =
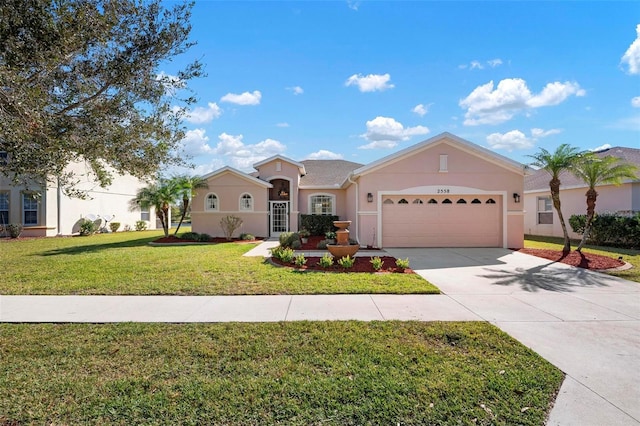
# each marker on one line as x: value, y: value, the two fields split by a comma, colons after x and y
x: 442, y: 225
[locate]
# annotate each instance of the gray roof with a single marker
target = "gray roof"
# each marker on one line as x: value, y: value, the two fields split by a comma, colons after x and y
x: 326, y: 173
x: 540, y: 178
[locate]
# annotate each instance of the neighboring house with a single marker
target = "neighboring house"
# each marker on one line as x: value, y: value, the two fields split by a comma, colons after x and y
x: 443, y: 192
x: 542, y: 219
x: 49, y: 212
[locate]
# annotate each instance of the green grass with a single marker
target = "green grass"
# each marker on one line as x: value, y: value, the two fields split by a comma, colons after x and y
x: 300, y: 373
x: 630, y: 256
x: 123, y: 263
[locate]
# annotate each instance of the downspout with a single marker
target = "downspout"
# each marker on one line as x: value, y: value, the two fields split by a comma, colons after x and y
x: 357, y: 204
x: 59, y: 195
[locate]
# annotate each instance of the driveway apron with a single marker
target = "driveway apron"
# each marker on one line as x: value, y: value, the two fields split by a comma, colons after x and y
x: 585, y: 323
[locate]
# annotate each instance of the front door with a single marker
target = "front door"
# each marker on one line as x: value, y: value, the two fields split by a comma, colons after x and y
x: 279, y: 217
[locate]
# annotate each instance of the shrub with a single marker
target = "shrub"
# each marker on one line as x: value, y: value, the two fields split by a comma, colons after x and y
x: 322, y: 245
x: 300, y: 260
x: 304, y: 233
x: 402, y: 264
x: 610, y: 229
x: 296, y: 244
x: 276, y: 252
x: 190, y: 236
x: 326, y: 261
x: 346, y: 261
x: 247, y: 237
x: 114, y: 226
x: 287, y: 239
x: 229, y: 224
x: 287, y: 255
x: 127, y: 228
x: 317, y: 224
x: 377, y: 263
x: 87, y: 227
x: 330, y: 235
x: 204, y: 238
x: 15, y: 229
x: 141, y: 225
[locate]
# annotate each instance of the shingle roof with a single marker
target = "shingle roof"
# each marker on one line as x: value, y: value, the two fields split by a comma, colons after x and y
x: 540, y: 178
x: 326, y: 173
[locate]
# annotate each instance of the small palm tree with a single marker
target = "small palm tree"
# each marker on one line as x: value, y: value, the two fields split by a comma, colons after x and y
x: 159, y: 195
x: 594, y: 171
x: 188, y: 186
x: 555, y: 163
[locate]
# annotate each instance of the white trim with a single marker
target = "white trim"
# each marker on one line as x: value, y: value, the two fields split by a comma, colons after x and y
x: 581, y: 186
x: 206, y: 202
x: 232, y: 212
x: 326, y: 194
x: 367, y: 213
x: 437, y: 190
x: 240, y: 208
x: 335, y: 186
x: 300, y: 166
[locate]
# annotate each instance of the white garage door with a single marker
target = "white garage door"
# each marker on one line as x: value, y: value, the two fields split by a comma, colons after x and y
x: 442, y: 221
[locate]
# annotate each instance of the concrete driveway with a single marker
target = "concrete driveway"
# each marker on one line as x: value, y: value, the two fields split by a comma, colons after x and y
x: 585, y: 323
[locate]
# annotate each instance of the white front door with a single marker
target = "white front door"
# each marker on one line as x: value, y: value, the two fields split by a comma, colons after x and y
x: 279, y: 217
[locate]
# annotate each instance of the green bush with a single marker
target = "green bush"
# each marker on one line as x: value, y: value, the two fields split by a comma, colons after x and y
x: 377, y: 263
x: 87, y: 227
x: 296, y: 244
x: 287, y: 255
x: 610, y: 229
x: 15, y: 229
x: 322, y: 245
x: 346, y: 262
x: 204, y: 238
x: 287, y: 239
x: 114, y: 226
x: 317, y: 224
x: 229, y: 224
x: 326, y: 261
x: 193, y: 236
x: 402, y: 264
x: 247, y: 237
x: 141, y: 225
x: 300, y: 260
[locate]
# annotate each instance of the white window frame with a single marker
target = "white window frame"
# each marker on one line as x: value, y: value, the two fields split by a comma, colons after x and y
x: 206, y: 203
x: 6, y: 208
x: 244, y: 206
x: 546, y: 203
x: 145, y: 213
x: 443, y: 163
x: 331, y: 197
x: 28, y: 198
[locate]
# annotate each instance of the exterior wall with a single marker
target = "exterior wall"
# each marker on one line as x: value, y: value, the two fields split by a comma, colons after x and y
x: 113, y: 200
x: 340, y: 203
x: 229, y: 188
x: 611, y: 199
x: 466, y: 173
x: 279, y: 169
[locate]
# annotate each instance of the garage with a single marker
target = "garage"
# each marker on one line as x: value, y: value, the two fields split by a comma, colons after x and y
x: 442, y: 220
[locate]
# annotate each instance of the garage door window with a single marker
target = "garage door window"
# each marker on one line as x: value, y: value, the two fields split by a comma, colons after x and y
x: 388, y: 201
x: 447, y: 201
x: 491, y: 201
x: 545, y: 212
x: 403, y: 201
x: 461, y: 201
x: 418, y: 201
x: 432, y: 201
x: 476, y: 201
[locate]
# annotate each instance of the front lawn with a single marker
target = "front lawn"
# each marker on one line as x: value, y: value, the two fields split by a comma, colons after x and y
x: 298, y: 373
x: 629, y: 256
x: 124, y: 263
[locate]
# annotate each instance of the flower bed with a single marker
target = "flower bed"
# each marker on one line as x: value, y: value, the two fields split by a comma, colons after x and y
x: 574, y: 258
x: 361, y: 264
x: 172, y: 239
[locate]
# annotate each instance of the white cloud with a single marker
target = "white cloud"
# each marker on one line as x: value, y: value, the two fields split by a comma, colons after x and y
x: 296, y: 90
x: 196, y: 142
x: 541, y: 133
x: 632, y: 56
x: 514, y: 139
x: 495, y: 62
x: 242, y: 156
x: 421, y: 109
x: 601, y: 147
x: 488, y: 106
x: 245, y: 98
x: 204, y: 115
x: 353, y: 5
x: 478, y: 65
x: 635, y: 102
x: 282, y: 125
x: 371, y: 82
x: 323, y: 154
x: 386, y: 132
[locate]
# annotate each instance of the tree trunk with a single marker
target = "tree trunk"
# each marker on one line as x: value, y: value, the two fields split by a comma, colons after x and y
x: 592, y: 195
x: 185, y: 205
x: 554, y: 185
x: 165, y: 219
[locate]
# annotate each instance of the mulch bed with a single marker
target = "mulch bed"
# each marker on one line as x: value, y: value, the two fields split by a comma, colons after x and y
x: 313, y: 241
x: 172, y: 239
x: 361, y: 264
x: 574, y: 258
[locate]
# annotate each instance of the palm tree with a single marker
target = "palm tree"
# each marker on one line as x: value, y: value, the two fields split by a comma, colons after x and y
x: 188, y: 186
x: 594, y: 171
x: 159, y: 195
x: 555, y: 163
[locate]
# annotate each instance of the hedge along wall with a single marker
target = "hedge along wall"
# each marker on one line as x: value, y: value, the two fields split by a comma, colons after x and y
x: 317, y: 224
x: 610, y: 229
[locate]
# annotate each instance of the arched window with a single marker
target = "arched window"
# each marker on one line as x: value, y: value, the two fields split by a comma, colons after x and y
x: 461, y: 201
x: 476, y: 201
x: 211, y: 202
x: 491, y: 201
x: 403, y: 201
x: 446, y: 201
x: 388, y: 201
x: 432, y: 201
x: 418, y: 201
x: 246, y: 202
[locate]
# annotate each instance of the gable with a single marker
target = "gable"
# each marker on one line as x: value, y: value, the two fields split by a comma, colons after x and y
x: 233, y: 177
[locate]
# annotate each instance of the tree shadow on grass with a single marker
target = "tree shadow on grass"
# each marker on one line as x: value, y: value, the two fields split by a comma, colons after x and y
x: 85, y: 245
x: 546, y: 277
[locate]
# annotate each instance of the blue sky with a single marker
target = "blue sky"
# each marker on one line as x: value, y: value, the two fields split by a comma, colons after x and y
x: 359, y: 80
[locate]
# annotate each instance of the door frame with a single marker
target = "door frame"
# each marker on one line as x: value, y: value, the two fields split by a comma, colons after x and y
x: 272, y: 203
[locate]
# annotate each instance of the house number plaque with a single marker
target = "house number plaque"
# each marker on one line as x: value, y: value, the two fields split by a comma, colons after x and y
x: 443, y: 191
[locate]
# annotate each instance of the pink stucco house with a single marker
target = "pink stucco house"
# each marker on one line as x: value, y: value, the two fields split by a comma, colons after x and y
x: 542, y: 219
x: 442, y: 192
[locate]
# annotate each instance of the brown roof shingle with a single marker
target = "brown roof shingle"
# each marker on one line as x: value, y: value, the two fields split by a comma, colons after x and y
x: 326, y: 173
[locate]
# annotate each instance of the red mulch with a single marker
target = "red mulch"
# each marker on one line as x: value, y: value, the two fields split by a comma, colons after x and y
x: 574, y: 258
x: 361, y: 264
x: 313, y: 241
x: 172, y: 239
